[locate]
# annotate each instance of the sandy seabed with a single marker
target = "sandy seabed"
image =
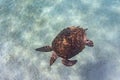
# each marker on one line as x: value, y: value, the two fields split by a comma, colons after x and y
x: 28, y: 24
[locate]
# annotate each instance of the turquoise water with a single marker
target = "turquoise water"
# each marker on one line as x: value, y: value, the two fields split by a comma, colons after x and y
x: 28, y: 24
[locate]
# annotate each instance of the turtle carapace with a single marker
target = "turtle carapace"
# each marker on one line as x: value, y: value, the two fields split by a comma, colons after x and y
x: 68, y: 43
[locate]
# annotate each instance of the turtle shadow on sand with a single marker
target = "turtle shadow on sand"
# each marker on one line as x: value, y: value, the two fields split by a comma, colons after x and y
x: 68, y: 43
x: 95, y: 71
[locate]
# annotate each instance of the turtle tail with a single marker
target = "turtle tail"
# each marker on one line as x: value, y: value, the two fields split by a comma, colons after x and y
x: 44, y: 49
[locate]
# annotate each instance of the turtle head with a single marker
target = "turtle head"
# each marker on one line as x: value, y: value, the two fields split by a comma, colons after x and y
x: 86, y: 29
x: 87, y: 41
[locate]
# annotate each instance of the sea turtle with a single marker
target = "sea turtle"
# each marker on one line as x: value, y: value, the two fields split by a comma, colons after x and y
x: 68, y: 43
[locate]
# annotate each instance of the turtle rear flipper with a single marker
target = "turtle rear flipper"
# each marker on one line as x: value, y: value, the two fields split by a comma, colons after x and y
x: 44, y: 49
x: 69, y: 62
x: 53, y: 58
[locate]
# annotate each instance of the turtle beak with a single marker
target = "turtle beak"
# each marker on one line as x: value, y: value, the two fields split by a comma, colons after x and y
x: 89, y: 43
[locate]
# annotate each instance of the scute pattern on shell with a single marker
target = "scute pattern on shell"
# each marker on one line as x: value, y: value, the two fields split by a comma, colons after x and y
x: 69, y: 42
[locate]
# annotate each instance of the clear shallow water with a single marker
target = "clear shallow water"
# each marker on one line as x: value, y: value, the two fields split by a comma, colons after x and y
x: 26, y: 25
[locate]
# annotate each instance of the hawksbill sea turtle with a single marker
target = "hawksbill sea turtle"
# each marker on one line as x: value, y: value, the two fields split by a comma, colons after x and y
x: 68, y: 43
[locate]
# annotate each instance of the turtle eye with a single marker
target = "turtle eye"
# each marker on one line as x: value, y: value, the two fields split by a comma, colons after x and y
x: 87, y: 40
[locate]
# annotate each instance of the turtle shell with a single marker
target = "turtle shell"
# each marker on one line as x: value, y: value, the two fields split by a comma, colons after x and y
x: 69, y: 42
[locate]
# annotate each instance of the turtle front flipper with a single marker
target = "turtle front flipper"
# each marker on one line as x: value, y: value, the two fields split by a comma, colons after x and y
x: 44, y: 49
x: 69, y: 62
